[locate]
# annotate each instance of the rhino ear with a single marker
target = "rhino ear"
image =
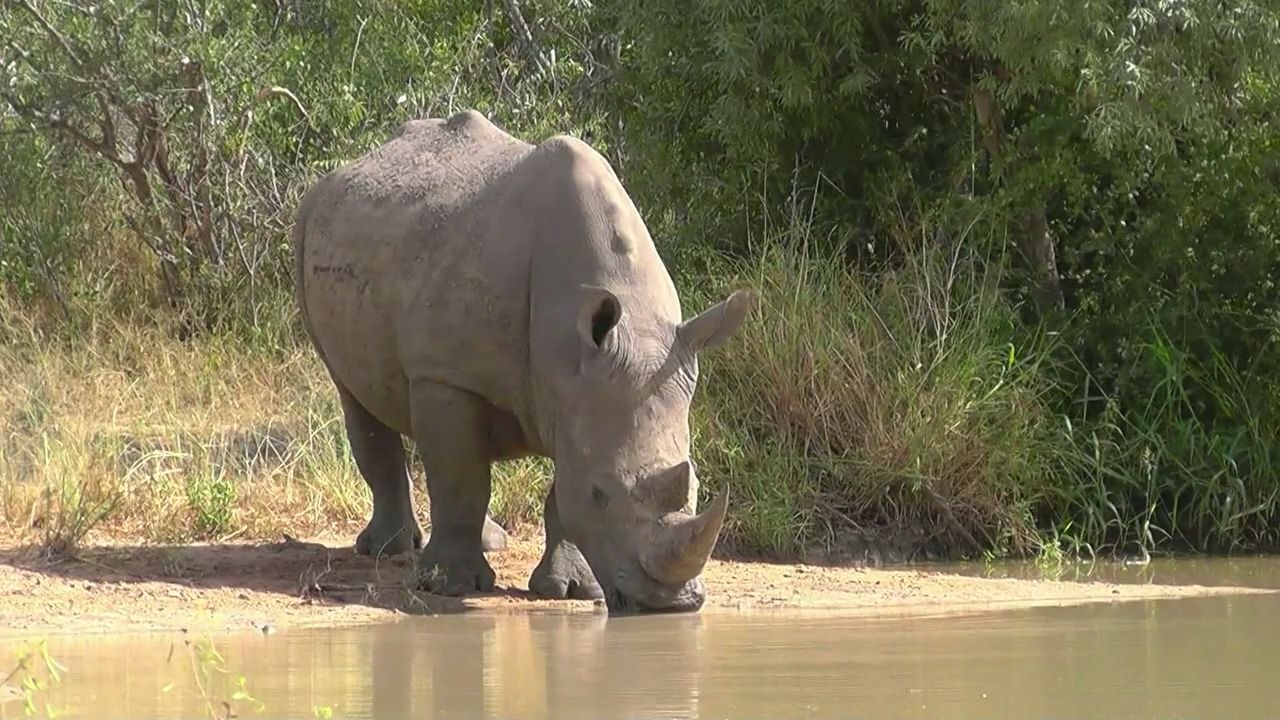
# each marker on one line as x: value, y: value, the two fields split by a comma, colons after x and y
x: 598, y: 315
x: 714, y: 326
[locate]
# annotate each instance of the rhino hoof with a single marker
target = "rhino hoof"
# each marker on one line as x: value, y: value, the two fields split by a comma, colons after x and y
x: 564, y: 575
x: 564, y: 588
x: 376, y: 540
x: 447, y: 573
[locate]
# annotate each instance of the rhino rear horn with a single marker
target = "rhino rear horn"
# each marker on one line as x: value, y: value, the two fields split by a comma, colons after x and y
x: 714, y: 326
x: 682, y: 546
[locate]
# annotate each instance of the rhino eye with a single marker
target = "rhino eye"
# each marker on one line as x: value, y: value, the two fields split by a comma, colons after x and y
x: 598, y: 497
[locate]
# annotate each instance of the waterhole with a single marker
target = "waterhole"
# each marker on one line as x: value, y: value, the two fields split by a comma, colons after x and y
x: 1196, y: 657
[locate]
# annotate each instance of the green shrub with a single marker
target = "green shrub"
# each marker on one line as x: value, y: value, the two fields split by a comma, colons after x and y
x: 212, y: 501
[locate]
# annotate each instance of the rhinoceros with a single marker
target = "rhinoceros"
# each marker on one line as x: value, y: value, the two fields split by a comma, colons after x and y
x: 494, y: 299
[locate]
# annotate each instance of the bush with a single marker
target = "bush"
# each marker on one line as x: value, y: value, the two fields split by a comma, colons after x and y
x: 1125, y: 154
x: 210, y: 123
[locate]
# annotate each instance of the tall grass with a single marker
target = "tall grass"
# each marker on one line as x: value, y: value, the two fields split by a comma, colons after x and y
x: 117, y: 424
x: 1192, y: 465
x: 894, y: 410
x: 889, y: 407
x: 905, y: 412
x: 237, y: 434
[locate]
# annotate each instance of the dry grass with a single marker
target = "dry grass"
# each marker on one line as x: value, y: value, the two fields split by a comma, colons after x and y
x: 125, y: 432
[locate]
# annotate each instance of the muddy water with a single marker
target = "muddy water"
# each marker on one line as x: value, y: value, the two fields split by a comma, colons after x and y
x: 1214, y: 657
x: 1259, y: 571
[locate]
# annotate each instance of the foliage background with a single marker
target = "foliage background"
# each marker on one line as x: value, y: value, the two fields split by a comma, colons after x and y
x: 1017, y: 259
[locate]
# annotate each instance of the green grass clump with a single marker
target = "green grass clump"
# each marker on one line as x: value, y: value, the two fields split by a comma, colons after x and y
x: 212, y: 501
x: 519, y: 490
x: 30, y: 681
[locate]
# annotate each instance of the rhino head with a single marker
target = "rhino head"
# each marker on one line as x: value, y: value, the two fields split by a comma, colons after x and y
x: 625, y: 486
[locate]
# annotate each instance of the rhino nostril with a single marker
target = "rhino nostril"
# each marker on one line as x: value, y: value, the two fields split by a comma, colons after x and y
x: 691, y: 597
x: 693, y: 601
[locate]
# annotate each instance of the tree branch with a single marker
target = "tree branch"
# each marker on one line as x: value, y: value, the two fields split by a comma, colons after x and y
x: 53, y: 33
x: 105, y: 123
x: 524, y: 35
x: 1036, y: 242
x: 61, y: 124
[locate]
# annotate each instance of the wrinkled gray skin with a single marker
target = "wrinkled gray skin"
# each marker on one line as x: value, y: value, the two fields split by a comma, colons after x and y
x: 494, y: 299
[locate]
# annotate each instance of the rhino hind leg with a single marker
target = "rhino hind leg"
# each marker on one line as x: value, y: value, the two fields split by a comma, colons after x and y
x: 379, y: 455
x: 562, y: 573
x: 450, y: 427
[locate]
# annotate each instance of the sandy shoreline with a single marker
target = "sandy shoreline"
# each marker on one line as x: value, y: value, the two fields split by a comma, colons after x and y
x: 321, y: 582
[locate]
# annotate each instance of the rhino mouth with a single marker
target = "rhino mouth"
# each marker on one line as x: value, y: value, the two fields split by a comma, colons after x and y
x: 649, y: 597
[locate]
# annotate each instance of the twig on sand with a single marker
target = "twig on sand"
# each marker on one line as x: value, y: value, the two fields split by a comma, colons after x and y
x: 290, y: 542
x: 309, y: 586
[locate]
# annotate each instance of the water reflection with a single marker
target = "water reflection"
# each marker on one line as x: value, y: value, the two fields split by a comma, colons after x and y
x: 1258, y: 571
x: 1211, y: 657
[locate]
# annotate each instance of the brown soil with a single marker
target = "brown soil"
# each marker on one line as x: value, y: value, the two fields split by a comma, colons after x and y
x: 241, y: 586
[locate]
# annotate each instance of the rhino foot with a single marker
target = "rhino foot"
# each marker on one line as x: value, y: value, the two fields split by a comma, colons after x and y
x: 384, y: 538
x: 446, y: 570
x: 563, y: 574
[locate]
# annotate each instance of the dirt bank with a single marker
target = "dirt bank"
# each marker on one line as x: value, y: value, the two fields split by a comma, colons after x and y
x: 116, y: 587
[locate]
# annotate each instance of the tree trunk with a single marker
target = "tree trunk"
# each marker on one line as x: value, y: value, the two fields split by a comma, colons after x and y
x: 198, y: 101
x: 1040, y: 253
x: 151, y: 233
x: 1035, y: 242
x: 525, y: 36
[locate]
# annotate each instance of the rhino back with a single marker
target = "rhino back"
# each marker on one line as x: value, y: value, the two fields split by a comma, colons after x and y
x: 399, y: 277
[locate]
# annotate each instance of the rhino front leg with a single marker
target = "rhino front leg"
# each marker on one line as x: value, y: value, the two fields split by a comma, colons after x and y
x: 451, y: 430
x: 562, y: 573
x: 379, y: 455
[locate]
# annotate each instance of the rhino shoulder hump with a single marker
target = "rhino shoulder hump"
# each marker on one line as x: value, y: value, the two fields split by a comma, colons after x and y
x: 580, y: 162
x: 468, y: 119
x: 462, y: 119
x: 412, y: 127
x: 567, y: 147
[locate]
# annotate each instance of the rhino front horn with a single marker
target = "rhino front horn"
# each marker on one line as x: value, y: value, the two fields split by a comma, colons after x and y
x: 682, y: 546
